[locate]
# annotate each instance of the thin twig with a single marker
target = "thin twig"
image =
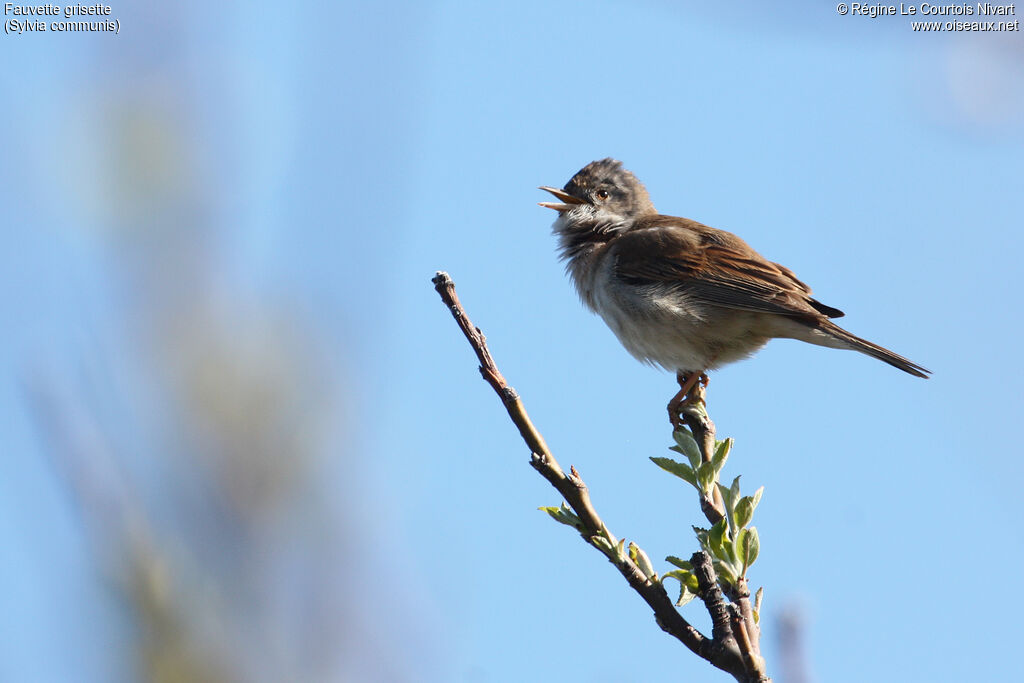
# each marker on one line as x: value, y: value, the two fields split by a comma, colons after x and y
x: 703, y: 430
x: 754, y: 662
x: 711, y: 594
x: 446, y: 288
x: 740, y: 594
x: 723, y: 654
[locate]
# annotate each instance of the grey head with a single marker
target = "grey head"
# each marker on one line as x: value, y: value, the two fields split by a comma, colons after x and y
x: 603, y: 187
x: 600, y: 201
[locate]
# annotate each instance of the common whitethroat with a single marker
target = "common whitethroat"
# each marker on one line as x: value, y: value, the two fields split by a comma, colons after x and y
x: 678, y: 293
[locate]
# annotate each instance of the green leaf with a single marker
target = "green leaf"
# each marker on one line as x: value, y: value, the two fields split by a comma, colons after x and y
x: 726, y: 496
x: 702, y: 538
x: 721, y: 454
x: 646, y: 566
x: 729, y: 549
x: 726, y: 574
x: 716, y: 533
x: 565, y: 515
x: 685, y: 596
x: 744, y: 511
x: 749, y: 547
x: 687, y: 585
x: 716, y: 539
x: 605, y: 546
x: 758, y: 596
x: 747, y: 505
x: 706, y: 476
x: 682, y: 564
x: 688, y: 445
x: 642, y: 561
x: 757, y: 496
x: 741, y: 537
x: 734, y: 490
x: 680, y: 469
x: 687, y: 578
x: 730, y: 503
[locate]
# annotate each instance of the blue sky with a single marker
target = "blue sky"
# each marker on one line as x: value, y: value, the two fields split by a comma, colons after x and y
x: 310, y: 171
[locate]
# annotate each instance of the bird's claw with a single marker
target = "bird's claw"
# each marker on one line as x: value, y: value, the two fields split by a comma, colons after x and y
x: 687, y: 395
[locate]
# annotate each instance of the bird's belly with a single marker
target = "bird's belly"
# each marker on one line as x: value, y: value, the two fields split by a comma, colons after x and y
x: 669, y: 330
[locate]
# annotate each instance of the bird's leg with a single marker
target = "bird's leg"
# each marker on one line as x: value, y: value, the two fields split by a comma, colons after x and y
x: 686, y: 384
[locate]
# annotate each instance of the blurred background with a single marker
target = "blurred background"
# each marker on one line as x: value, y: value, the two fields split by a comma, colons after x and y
x: 242, y: 439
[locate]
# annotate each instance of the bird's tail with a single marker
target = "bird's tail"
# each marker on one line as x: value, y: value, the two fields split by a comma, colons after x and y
x: 852, y: 341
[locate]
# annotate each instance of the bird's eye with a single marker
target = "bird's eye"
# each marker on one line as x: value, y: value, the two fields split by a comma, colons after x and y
x: 601, y: 194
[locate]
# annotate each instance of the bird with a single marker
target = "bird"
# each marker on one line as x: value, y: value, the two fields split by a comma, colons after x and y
x: 680, y: 294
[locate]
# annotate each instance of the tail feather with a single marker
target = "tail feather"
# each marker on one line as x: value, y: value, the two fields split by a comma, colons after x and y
x: 854, y: 342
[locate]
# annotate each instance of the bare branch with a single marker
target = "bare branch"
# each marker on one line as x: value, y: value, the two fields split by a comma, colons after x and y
x: 446, y: 288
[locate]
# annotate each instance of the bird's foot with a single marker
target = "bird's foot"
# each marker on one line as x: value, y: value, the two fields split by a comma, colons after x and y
x: 687, y: 394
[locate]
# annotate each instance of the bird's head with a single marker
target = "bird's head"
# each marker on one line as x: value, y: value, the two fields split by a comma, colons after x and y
x: 602, y: 191
x: 602, y: 200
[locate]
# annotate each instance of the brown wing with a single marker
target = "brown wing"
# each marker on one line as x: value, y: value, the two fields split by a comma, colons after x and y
x: 818, y: 306
x: 713, y: 265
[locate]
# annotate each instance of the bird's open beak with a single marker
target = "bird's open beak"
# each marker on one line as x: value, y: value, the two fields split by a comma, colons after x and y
x: 561, y: 194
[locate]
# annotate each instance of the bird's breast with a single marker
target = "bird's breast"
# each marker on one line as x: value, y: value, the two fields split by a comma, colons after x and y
x: 665, y: 326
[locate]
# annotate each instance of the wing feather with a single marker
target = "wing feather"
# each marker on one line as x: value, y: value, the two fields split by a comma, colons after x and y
x: 714, y: 266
